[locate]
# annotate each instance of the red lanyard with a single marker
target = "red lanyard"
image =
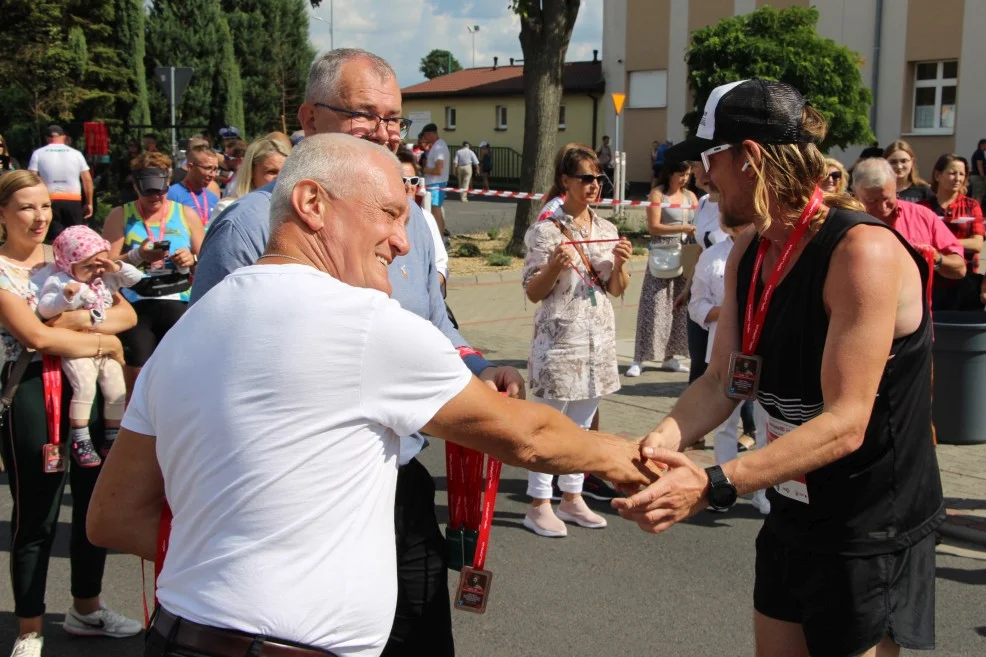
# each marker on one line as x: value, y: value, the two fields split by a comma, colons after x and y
x: 752, y: 326
x: 162, y: 223
x: 51, y: 378
x: 493, y: 468
x: 163, y: 537
x: 203, y: 209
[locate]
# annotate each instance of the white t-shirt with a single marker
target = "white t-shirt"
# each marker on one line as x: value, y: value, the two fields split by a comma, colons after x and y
x: 277, y: 401
x: 60, y: 166
x: 438, y: 151
x: 464, y: 157
x: 707, y: 230
x: 709, y: 287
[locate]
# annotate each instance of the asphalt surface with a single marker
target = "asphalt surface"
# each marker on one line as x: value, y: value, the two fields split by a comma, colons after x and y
x: 478, y: 215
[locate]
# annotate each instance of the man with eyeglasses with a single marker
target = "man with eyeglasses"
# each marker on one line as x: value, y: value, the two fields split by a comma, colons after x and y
x: 193, y: 190
x: 356, y: 92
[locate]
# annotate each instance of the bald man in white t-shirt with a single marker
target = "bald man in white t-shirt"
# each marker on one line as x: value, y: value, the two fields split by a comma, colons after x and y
x: 66, y: 174
x: 278, y: 453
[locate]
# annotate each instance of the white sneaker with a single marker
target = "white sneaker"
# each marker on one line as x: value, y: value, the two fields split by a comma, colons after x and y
x: 672, y: 365
x: 761, y: 502
x: 633, y: 370
x: 28, y: 645
x: 542, y: 521
x: 578, y: 511
x: 104, y: 622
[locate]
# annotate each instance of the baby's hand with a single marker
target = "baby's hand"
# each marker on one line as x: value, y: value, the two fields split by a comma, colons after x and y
x: 111, y: 266
x: 70, y: 290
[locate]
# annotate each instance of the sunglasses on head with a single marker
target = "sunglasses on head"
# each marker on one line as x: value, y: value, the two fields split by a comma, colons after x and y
x: 589, y: 178
x: 413, y: 181
x: 835, y: 176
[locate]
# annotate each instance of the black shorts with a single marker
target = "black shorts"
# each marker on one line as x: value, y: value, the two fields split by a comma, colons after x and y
x: 846, y: 605
x: 63, y: 215
x: 154, y: 318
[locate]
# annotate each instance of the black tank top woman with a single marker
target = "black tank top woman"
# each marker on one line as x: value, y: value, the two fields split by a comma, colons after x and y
x: 886, y: 495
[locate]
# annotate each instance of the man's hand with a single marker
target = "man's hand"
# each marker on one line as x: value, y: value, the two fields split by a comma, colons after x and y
x: 87, y: 210
x: 677, y: 495
x: 505, y: 379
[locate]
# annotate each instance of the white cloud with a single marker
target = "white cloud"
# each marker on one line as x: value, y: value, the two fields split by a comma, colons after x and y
x: 404, y: 31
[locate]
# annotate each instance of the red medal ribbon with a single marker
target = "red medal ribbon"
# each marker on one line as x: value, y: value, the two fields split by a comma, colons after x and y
x: 493, y: 468
x: 51, y: 379
x: 163, y: 537
x: 753, y: 325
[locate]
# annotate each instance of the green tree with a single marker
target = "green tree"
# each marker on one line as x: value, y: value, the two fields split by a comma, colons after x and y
x: 545, y: 32
x: 783, y: 45
x: 439, y: 62
x: 129, y: 34
x: 194, y: 34
x: 274, y: 55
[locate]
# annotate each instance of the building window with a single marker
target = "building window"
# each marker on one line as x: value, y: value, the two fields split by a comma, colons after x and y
x: 648, y: 89
x: 935, y: 84
x: 450, y: 118
x: 561, y: 117
x: 501, y: 117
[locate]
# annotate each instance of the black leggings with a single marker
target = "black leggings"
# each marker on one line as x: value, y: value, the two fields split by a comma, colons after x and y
x: 155, y: 317
x: 37, y: 497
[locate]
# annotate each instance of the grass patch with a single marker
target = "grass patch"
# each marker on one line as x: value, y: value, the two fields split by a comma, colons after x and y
x: 500, y: 260
x: 639, y: 250
x: 468, y: 250
x: 493, y: 233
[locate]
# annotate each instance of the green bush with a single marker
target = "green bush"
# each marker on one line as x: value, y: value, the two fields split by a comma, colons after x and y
x: 493, y: 233
x: 499, y: 260
x: 468, y: 250
x: 639, y: 250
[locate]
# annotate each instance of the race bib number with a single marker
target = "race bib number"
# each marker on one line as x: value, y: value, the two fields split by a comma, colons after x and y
x: 796, y: 489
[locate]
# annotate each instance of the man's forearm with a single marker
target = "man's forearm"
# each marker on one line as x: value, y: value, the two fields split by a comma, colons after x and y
x: 701, y: 408
x: 805, y: 449
x: 952, y: 266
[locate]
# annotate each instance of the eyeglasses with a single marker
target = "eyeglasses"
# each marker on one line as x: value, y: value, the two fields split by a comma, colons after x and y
x: 706, y: 154
x: 834, y: 176
x: 371, y: 121
x: 413, y: 181
x: 588, y: 178
x: 203, y: 169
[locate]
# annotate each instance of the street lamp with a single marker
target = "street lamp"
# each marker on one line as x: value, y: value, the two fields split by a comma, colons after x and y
x: 472, y: 30
x: 330, y: 22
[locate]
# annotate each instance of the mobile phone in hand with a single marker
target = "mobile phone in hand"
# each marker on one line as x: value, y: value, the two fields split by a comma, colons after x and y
x: 162, y: 246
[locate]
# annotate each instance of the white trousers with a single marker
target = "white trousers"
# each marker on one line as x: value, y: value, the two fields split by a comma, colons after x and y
x: 83, y: 374
x: 581, y: 412
x: 727, y: 435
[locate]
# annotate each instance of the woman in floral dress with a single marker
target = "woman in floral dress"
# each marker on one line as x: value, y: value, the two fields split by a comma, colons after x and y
x: 573, y: 354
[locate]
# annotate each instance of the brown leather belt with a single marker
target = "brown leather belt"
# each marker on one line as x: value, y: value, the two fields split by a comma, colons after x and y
x: 225, y: 643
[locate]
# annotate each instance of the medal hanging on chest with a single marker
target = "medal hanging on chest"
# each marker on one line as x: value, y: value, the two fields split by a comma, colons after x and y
x: 743, y: 377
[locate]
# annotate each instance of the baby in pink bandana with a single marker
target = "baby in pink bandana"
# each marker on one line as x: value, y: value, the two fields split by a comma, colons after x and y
x: 86, y: 278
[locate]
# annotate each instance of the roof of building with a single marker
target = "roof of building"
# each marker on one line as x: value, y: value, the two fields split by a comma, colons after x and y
x: 505, y: 81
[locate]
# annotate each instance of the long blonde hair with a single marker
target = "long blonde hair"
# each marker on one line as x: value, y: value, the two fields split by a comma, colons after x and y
x: 913, y: 178
x: 10, y: 184
x: 256, y: 153
x: 844, y: 181
x: 789, y: 173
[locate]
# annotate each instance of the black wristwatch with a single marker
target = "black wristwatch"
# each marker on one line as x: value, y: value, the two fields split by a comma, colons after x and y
x: 722, y: 493
x: 938, y: 260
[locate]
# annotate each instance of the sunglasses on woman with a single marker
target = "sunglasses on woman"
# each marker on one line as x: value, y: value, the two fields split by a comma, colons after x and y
x: 835, y: 176
x: 413, y: 181
x: 588, y: 178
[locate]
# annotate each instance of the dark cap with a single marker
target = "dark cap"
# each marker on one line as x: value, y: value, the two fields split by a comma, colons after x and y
x: 54, y: 130
x: 762, y: 111
x: 151, y: 180
x: 871, y: 151
x: 229, y: 132
x: 431, y: 127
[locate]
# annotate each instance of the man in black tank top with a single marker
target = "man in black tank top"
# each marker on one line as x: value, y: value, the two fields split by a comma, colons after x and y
x: 834, y: 342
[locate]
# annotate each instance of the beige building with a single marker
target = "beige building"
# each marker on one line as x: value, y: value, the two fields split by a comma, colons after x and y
x: 922, y: 59
x: 487, y: 104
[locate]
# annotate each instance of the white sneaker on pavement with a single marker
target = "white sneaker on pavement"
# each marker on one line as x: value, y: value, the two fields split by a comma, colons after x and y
x: 672, y: 365
x: 28, y: 645
x: 761, y: 502
x: 578, y: 511
x: 633, y: 370
x: 541, y: 520
x: 103, y: 622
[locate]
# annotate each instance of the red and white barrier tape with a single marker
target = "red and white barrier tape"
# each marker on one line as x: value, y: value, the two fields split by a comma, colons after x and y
x: 528, y: 195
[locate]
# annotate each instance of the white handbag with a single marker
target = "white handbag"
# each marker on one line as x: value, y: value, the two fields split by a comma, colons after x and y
x: 664, y: 260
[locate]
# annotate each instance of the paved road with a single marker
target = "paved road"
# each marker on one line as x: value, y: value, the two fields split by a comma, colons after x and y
x: 478, y: 216
x: 611, y: 591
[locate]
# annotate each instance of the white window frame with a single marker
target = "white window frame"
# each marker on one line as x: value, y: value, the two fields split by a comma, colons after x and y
x: 561, y: 116
x: 501, y: 113
x: 647, y: 89
x: 450, y: 116
x: 937, y: 84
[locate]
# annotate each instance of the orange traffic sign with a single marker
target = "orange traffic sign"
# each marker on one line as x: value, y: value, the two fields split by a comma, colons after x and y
x: 618, y: 101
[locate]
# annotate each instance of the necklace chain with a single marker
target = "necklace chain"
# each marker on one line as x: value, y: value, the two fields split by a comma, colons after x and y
x: 286, y: 257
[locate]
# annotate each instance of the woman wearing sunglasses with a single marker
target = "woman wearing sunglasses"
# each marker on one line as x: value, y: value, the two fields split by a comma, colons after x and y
x: 836, y: 179
x: 574, y: 258
x: 662, y: 324
x: 162, y: 238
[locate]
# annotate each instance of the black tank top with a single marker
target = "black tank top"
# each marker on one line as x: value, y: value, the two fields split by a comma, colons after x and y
x: 887, y: 494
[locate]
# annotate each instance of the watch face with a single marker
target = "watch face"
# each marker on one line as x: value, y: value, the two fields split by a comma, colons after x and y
x: 723, y: 497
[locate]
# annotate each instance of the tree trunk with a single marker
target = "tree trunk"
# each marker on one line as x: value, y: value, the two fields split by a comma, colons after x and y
x: 545, y: 31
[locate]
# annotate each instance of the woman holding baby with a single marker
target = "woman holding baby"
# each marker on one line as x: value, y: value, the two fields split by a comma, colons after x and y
x: 32, y: 440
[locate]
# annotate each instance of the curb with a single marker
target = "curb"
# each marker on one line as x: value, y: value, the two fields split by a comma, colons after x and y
x: 971, y: 529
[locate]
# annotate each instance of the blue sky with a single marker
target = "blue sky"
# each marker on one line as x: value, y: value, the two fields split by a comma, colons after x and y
x: 404, y: 31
